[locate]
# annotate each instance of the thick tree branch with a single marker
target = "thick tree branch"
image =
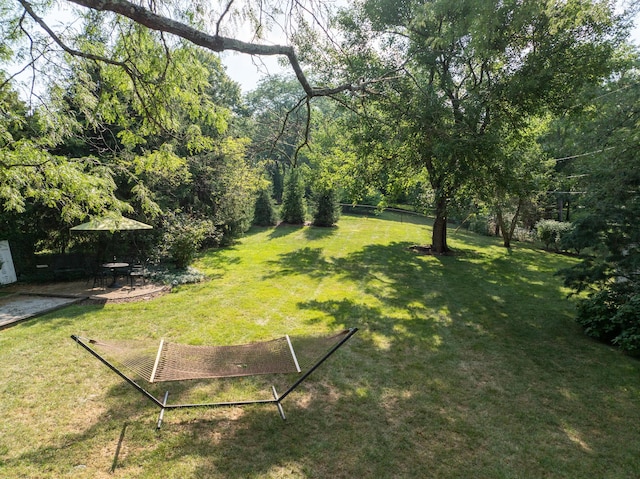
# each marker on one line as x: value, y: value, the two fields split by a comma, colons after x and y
x: 216, y: 43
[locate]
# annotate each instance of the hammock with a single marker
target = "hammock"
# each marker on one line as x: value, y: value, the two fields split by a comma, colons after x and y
x: 156, y: 362
x: 164, y: 361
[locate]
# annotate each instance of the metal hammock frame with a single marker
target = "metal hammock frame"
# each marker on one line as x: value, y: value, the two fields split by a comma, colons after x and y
x: 160, y: 362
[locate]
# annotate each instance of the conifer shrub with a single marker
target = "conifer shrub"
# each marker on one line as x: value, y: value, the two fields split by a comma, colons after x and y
x: 326, y: 207
x: 265, y: 213
x: 293, y: 201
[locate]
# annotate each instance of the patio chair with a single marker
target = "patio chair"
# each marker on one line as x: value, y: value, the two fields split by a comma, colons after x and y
x: 136, y: 273
x: 100, y: 276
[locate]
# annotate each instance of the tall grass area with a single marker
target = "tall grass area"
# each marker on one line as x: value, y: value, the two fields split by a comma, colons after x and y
x: 465, y: 366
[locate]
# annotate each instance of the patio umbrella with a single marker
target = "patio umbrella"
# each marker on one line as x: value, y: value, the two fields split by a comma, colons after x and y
x: 109, y: 225
x: 112, y: 224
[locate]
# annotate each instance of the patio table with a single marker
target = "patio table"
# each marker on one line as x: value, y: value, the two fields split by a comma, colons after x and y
x: 114, y: 267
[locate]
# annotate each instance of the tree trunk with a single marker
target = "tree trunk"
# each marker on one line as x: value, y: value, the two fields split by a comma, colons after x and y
x: 560, y: 209
x: 507, y: 233
x: 500, y: 226
x: 514, y: 221
x: 439, y: 237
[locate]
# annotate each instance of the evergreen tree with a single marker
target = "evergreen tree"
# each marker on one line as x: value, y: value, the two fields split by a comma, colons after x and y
x: 265, y: 213
x: 326, y: 207
x: 293, y: 201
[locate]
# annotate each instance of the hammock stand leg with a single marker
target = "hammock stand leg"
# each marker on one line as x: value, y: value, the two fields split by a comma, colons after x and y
x: 161, y: 416
x: 131, y: 382
x: 277, y: 401
x: 352, y: 331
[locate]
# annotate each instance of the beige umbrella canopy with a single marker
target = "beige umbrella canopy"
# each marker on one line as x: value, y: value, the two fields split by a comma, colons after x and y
x: 112, y: 224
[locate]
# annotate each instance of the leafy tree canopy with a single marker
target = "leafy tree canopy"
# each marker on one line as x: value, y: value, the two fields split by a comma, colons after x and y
x: 467, y: 71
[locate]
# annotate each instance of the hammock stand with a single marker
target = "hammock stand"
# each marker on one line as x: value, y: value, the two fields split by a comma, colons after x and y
x: 161, y: 361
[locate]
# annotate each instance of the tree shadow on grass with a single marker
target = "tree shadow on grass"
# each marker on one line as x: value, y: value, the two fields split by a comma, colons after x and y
x: 400, y: 216
x: 306, y: 261
x: 470, y: 287
x: 334, y: 406
x: 312, y: 233
x: 219, y: 261
x: 341, y: 404
x: 232, y: 442
x: 284, y: 229
x: 395, y: 401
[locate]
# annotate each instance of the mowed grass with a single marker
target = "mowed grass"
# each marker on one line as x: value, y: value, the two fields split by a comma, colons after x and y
x: 465, y: 366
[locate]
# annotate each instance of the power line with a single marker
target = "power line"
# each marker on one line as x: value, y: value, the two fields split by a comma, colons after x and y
x: 583, y: 154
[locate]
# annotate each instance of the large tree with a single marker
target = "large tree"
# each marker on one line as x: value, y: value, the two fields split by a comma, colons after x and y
x: 468, y: 71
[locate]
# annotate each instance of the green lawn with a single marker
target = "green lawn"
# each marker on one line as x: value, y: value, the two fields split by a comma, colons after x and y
x: 465, y: 366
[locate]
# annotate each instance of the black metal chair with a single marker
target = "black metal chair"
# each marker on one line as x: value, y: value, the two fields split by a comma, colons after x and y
x: 100, y: 276
x: 136, y: 273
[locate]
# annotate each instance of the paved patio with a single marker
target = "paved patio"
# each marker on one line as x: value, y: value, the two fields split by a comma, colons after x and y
x: 21, y: 301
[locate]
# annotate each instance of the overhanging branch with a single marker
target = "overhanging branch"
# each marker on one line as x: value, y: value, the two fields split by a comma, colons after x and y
x: 216, y: 43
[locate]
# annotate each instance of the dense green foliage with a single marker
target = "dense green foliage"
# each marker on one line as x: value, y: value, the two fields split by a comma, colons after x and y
x: 612, y: 315
x: 553, y: 233
x: 182, y: 238
x: 468, y: 78
x: 326, y: 208
x: 607, y: 227
x: 147, y: 142
x: 31, y: 176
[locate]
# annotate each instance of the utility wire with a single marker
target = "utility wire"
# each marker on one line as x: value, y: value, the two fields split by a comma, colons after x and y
x: 583, y: 154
